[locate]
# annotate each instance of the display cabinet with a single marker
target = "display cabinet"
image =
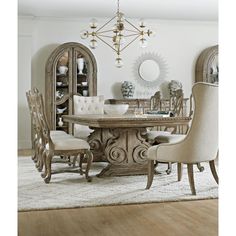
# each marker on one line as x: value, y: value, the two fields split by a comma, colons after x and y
x: 207, y: 68
x: 70, y: 69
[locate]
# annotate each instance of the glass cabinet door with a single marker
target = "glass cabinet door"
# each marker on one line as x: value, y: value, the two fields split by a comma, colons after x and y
x: 70, y: 69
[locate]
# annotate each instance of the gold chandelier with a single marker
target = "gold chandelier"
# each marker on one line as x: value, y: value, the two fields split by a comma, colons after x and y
x: 121, y: 34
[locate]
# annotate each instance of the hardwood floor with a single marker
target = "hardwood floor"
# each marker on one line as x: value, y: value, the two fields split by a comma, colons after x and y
x: 189, y: 218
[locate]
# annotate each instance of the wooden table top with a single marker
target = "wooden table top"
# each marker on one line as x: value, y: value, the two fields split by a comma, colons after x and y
x: 124, y: 121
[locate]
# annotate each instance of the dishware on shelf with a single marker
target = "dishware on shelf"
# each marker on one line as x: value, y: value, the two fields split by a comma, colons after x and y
x: 116, y: 109
x: 80, y: 63
x: 84, y: 83
x: 59, y: 94
x: 60, y: 122
x: 62, y: 70
x: 59, y: 83
x: 61, y: 110
x: 85, y: 92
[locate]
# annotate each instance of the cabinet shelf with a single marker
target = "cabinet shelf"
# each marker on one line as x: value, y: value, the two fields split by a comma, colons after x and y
x: 62, y: 75
x: 82, y: 86
x: 62, y: 86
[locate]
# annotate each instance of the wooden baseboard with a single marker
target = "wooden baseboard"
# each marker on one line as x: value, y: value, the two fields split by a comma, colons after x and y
x: 25, y: 152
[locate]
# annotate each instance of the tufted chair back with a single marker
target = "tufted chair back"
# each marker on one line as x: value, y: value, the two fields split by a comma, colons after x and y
x: 86, y: 105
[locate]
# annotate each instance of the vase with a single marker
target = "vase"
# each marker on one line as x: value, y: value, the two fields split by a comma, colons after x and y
x: 80, y: 64
x: 173, y: 86
x: 85, y: 93
x: 127, y: 89
x: 60, y: 122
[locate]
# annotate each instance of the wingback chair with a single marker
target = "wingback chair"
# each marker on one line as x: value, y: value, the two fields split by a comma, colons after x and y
x: 169, y: 133
x: 87, y: 106
x: 201, y: 142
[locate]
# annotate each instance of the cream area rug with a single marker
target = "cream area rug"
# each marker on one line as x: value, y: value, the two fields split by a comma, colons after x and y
x: 67, y: 190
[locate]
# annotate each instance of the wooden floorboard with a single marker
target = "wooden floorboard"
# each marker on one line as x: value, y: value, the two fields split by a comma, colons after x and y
x: 186, y: 218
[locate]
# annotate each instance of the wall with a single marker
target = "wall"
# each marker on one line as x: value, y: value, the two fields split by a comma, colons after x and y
x: 178, y: 42
x: 24, y: 82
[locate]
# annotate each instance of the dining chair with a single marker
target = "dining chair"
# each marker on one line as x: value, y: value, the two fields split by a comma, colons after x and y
x: 58, y: 145
x: 37, y: 141
x: 86, y: 106
x: 169, y: 133
x: 155, y: 101
x: 201, y: 142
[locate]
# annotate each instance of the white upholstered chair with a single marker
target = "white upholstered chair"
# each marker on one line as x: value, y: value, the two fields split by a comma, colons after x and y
x: 88, y: 106
x: 167, y: 135
x: 201, y: 142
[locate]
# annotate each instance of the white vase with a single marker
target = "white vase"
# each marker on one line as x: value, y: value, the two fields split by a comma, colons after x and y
x: 60, y: 122
x: 85, y: 93
x: 80, y: 63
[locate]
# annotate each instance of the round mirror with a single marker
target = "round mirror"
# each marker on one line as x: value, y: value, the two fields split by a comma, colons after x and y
x: 149, y: 70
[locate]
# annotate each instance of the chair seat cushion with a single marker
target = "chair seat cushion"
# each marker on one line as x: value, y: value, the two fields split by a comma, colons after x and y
x: 152, y: 134
x: 69, y: 144
x: 58, y: 134
x: 171, y: 138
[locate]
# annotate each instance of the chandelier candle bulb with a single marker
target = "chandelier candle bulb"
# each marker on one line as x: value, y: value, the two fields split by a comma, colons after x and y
x: 117, y: 33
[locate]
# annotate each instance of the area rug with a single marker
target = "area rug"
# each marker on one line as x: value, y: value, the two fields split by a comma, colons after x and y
x: 69, y: 190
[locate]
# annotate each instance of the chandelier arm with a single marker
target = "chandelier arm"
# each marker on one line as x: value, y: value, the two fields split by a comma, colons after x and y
x: 106, y: 36
x: 106, y: 43
x: 105, y: 31
x: 133, y: 26
x: 129, y: 43
x: 129, y: 35
x: 106, y: 24
x: 134, y: 31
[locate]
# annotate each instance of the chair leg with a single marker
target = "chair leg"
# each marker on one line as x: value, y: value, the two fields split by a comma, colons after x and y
x: 74, y: 161
x: 213, y: 171
x: 34, y: 157
x: 201, y: 168
x: 191, y: 178
x: 169, y: 169
x: 48, y: 167
x: 180, y: 170
x: 150, y: 173
x: 40, y: 159
x: 89, y: 156
x: 43, y: 175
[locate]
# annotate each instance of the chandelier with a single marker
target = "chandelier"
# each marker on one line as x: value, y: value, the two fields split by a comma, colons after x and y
x: 117, y: 33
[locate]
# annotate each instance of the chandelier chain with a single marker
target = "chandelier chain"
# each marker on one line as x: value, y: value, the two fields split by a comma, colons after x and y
x: 118, y: 6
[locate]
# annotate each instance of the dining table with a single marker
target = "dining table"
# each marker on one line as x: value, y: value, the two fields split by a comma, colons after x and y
x: 121, y: 140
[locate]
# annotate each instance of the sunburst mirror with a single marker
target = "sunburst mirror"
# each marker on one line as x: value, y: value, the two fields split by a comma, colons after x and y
x: 150, y: 69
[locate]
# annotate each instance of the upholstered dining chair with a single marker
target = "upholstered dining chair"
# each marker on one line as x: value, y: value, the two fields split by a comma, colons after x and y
x: 55, y: 145
x: 169, y: 133
x: 32, y: 97
x: 201, y: 142
x: 86, y: 106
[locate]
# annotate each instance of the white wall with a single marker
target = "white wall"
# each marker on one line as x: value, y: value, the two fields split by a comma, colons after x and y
x: 24, y: 82
x: 178, y: 42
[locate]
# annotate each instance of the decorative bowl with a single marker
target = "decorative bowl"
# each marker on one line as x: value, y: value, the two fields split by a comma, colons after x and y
x: 116, y: 109
x: 84, y: 83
